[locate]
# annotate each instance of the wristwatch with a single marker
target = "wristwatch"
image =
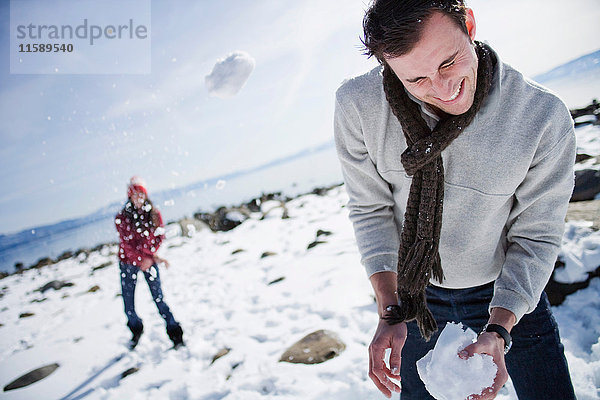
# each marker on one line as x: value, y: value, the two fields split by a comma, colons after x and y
x: 500, y: 330
x: 392, y: 314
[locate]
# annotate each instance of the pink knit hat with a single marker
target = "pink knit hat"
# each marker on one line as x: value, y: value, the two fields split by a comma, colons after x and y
x: 136, y: 184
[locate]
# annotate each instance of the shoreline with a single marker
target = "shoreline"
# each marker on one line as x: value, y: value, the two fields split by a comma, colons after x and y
x: 216, y: 221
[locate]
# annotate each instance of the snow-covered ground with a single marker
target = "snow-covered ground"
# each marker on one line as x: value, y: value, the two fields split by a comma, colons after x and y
x: 224, y: 300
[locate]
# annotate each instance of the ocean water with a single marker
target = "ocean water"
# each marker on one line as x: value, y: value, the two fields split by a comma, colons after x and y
x: 293, y: 176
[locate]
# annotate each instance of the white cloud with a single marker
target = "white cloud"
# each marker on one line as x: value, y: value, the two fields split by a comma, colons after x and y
x: 229, y: 75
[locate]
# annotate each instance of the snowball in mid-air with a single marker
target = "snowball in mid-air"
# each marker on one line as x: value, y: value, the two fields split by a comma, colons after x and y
x: 220, y: 184
x: 229, y: 75
x: 447, y: 376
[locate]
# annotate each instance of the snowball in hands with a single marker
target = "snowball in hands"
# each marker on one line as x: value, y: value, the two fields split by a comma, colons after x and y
x: 448, y: 377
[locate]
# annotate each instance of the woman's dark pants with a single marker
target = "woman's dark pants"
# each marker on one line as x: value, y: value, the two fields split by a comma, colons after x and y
x: 129, y: 275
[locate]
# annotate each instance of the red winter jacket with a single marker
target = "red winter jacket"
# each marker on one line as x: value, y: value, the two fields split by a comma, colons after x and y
x: 138, y: 239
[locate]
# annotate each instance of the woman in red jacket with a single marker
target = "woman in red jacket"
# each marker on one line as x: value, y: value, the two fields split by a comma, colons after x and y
x: 140, y: 228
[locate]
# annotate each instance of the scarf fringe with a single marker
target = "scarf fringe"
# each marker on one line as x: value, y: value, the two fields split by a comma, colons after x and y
x: 417, y: 260
x: 426, y: 323
x: 422, y: 256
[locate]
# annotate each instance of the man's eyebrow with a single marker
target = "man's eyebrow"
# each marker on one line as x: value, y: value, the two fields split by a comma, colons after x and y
x: 446, y: 61
x: 449, y: 59
x: 413, y: 80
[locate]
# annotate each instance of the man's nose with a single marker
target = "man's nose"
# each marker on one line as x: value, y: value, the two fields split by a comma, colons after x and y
x: 443, y: 86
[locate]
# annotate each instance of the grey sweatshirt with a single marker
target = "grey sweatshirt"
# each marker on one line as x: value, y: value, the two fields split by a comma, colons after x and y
x: 508, y: 180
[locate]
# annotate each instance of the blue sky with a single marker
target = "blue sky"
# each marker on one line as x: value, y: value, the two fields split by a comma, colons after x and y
x: 70, y: 142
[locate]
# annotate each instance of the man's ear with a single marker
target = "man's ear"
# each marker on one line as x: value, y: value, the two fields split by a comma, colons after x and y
x: 470, y: 22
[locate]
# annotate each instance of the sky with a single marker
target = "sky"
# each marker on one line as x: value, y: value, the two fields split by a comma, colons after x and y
x: 70, y: 142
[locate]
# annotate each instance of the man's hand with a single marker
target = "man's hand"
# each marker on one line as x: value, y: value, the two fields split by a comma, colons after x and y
x: 492, y: 344
x: 386, y: 337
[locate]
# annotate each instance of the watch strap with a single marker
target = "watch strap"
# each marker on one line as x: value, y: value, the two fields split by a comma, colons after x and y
x: 502, y: 331
x: 392, y: 314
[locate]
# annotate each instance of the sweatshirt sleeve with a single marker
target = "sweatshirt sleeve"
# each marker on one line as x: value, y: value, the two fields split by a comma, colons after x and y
x: 370, y: 198
x: 536, y: 225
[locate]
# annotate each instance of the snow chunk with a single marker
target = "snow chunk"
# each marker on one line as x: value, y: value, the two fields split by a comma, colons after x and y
x: 448, y: 377
x: 220, y: 184
x: 229, y: 75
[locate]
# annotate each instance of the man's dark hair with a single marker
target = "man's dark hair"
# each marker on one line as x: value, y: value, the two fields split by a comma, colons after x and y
x: 393, y: 27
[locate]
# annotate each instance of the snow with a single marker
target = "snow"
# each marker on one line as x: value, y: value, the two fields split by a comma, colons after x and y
x: 580, y: 252
x: 224, y: 300
x: 446, y: 375
x: 229, y: 74
x: 220, y: 184
x: 579, y: 323
x: 588, y: 140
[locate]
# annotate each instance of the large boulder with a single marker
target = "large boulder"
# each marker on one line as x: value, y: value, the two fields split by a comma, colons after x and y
x: 587, y: 184
x: 223, y: 219
x: 585, y: 211
x: 592, y: 110
x: 558, y: 291
x: 314, y: 348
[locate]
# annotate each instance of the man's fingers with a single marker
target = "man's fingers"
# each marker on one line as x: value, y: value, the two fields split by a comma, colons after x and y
x: 395, y: 360
x: 394, y: 371
x: 378, y: 372
x: 382, y: 388
x: 500, y: 378
x: 386, y: 337
x: 486, y: 394
x: 395, y: 357
x: 384, y: 384
x: 490, y: 393
x: 499, y: 381
x: 468, y: 351
x: 374, y: 377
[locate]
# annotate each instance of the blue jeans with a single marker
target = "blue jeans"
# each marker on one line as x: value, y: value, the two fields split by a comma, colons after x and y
x: 536, y: 362
x: 128, y: 281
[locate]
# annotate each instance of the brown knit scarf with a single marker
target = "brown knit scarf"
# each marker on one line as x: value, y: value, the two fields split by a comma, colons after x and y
x: 418, y: 256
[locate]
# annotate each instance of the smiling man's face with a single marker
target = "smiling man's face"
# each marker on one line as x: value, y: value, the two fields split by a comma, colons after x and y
x: 441, y: 69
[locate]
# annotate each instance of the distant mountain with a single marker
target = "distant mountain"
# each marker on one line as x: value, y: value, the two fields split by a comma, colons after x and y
x: 589, y: 63
x: 14, y: 240
x: 9, y: 241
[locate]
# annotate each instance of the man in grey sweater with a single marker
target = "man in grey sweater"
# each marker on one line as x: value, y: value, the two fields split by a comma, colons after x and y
x: 501, y: 149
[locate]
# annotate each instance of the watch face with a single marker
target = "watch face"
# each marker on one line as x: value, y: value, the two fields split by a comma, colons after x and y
x: 507, y: 348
